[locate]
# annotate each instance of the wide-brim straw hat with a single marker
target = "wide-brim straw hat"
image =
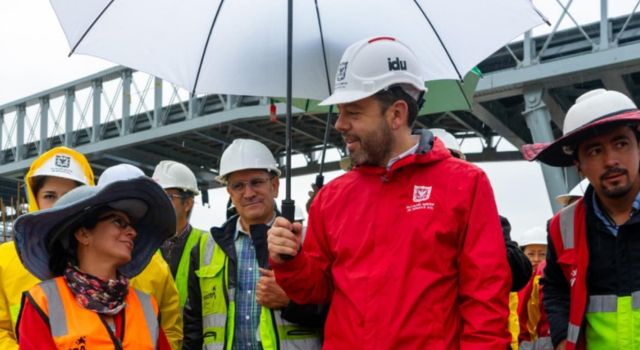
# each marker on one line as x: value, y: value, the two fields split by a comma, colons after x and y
x: 576, y: 192
x: 593, y: 109
x: 142, y: 199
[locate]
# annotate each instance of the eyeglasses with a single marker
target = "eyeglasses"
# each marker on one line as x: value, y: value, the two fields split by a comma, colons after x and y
x: 178, y: 196
x: 257, y: 184
x: 117, y: 221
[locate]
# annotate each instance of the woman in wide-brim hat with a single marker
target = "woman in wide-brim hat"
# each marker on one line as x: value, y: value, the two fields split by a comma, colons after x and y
x: 85, y: 249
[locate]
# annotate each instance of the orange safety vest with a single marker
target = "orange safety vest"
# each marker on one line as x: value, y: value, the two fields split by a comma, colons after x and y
x: 569, y: 236
x: 72, y: 325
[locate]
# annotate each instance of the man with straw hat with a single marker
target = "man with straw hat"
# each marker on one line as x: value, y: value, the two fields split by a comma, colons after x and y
x: 592, y: 279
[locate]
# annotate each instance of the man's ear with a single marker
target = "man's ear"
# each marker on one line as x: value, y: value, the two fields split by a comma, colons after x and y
x: 190, y: 201
x: 399, y: 111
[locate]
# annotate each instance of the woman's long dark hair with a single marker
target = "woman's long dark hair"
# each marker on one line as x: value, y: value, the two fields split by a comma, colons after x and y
x: 64, y: 249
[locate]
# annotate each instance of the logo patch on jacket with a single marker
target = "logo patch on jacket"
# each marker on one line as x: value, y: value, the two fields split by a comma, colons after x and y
x: 421, y: 195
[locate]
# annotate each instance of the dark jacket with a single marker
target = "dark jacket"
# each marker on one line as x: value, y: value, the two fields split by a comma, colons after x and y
x: 613, y: 267
x: 308, y: 315
x: 520, y: 265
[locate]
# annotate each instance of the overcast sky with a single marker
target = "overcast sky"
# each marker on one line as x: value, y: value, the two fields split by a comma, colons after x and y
x: 33, y: 57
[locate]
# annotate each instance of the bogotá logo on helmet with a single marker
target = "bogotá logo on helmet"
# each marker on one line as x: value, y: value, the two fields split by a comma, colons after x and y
x: 342, y: 71
x: 63, y: 161
x: 397, y: 64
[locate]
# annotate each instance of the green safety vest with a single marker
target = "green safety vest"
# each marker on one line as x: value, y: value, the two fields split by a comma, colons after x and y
x: 182, y: 275
x: 613, y: 322
x: 218, y: 309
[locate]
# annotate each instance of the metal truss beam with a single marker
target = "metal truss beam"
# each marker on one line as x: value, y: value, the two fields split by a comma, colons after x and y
x: 148, y: 136
x: 496, y: 124
x: 558, y: 72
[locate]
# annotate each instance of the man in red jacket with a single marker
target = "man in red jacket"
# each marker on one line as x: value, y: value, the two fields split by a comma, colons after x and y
x: 406, y: 246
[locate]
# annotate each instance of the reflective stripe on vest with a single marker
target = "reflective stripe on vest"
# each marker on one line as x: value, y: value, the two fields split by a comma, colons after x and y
x: 70, y: 323
x: 575, y: 277
x: 182, y: 274
x: 567, y: 216
x: 57, y: 317
x: 219, y: 318
x: 543, y: 343
x: 573, y: 332
x: 149, y: 315
x: 212, y: 278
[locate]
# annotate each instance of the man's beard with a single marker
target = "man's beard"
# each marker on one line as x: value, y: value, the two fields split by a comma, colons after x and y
x: 617, y: 191
x: 375, y: 147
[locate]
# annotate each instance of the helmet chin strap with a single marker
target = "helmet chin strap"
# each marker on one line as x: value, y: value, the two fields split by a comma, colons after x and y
x: 420, y: 100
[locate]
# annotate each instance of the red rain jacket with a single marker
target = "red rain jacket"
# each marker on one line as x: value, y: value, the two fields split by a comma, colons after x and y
x: 410, y: 258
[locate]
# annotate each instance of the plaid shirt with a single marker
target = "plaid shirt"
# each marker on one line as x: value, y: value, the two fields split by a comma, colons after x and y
x: 247, y: 309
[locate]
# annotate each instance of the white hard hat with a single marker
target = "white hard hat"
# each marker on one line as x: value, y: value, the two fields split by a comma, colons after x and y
x: 576, y: 192
x: 119, y: 172
x: 536, y: 235
x: 372, y: 65
x: 65, y: 163
x: 448, y: 139
x: 171, y: 174
x: 245, y: 154
x: 594, y: 108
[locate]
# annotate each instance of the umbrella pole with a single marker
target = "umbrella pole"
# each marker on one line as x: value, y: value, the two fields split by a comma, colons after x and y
x: 320, y: 177
x: 288, y: 205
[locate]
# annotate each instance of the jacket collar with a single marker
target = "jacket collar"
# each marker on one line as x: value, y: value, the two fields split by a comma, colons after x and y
x: 428, y: 151
x: 225, y: 235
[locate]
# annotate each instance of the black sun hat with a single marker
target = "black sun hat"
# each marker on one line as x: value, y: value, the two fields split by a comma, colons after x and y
x: 142, y: 199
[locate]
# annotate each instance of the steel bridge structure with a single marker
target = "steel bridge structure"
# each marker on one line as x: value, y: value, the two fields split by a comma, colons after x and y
x: 120, y: 115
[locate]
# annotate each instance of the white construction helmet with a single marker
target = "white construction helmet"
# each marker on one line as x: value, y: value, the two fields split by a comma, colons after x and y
x: 446, y: 138
x: 245, y: 154
x: 62, y: 162
x: 119, y: 172
x: 576, y: 192
x: 171, y: 174
x: 536, y: 235
x: 592, y: 109
x: 375, y: 64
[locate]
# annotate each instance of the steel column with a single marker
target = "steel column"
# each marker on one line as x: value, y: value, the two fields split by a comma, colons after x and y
x: 157, y: 102
x: 125, y: 125
x: 2, y: 154
x: 193, y: 107
x: 538, y: 120
x: 21, y: 114
x: 97, y: 94
x: 69, y: 100
x: 604, y: 25
x: 44, y: 125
